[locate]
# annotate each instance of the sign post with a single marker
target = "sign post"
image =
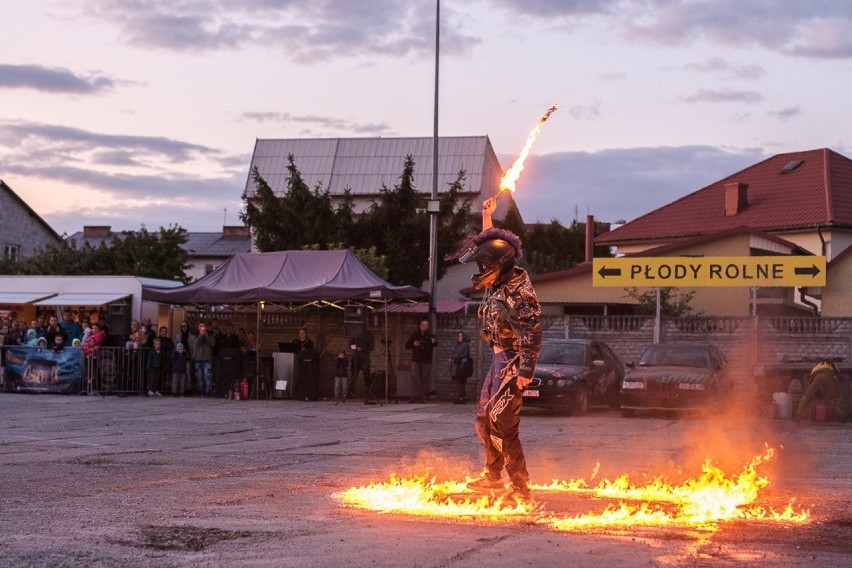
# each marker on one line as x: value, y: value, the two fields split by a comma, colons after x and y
x: 709, y: 271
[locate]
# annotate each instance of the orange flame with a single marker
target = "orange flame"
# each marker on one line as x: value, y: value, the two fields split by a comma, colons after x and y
x: 704, y: 501
x: 513, y: 173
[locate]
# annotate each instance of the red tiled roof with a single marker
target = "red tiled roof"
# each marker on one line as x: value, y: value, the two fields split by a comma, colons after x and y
x: 668, y: 248
x: 817, y: 192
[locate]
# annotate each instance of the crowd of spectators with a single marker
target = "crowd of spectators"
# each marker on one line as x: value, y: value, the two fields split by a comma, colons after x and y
x: 183, y: 363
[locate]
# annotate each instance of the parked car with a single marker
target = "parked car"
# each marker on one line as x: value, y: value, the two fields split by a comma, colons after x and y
x: 675, y: 377
x: 573, y: 374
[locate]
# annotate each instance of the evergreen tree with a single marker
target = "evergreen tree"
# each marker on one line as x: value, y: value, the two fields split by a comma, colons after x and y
x: 299, y: 218
x: 264, y: 214
x: 398, y: 231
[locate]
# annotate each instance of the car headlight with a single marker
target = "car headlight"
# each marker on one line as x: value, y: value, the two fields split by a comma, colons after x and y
x: 560, y: 383
x: 692, y: 386
x: 628, y: 385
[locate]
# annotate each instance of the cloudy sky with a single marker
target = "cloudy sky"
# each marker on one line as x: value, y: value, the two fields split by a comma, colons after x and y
x: 133, y: 112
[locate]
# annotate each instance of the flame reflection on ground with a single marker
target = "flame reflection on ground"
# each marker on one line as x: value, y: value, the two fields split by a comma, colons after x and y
x: 702, y: 501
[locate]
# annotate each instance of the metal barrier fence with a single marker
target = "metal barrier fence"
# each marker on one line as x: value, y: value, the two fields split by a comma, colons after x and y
x: 115, y: 370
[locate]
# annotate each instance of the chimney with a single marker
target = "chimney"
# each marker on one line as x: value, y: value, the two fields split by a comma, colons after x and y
x: 92, y: 231
x: 235, y: 231
x: 736, y: 197
x: 590, y: 237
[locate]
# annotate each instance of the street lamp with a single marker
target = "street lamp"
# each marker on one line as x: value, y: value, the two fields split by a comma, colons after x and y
x: 432, y: 207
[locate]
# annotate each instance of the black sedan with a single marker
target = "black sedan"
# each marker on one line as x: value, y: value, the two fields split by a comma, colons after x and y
x: 675, y: 377
x: 572, y: 374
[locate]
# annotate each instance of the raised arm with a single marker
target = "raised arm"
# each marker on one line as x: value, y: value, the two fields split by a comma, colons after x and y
x: 488, y: 208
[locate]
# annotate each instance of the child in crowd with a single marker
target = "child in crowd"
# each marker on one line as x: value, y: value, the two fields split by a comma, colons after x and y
x: 340, y: 379
x: 179, y: 361
x: 153, y: 367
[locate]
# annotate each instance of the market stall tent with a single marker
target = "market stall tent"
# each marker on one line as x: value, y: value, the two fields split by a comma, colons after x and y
x: 286, y: 277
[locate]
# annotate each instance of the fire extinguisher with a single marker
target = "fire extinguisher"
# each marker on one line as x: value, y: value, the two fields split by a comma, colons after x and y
x: 244, y: 389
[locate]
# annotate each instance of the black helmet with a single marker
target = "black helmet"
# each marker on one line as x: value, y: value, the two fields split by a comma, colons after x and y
x: 494, y: 252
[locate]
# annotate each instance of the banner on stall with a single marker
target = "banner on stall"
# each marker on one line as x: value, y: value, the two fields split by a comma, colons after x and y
x: 30, y: 369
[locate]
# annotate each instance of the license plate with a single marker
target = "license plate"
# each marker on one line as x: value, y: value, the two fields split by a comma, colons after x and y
x: 532, y: 393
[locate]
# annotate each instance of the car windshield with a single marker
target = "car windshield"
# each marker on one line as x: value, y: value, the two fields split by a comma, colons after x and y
x: 563, y: 354
x: 676, y: 357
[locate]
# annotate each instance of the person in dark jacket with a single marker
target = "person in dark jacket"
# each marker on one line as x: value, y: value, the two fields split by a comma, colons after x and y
x: 341, y: 368
x: 154, y: 368
x: 179, y: 363
x: 203, y: 356
x: 461, y: 366
x: 510, y: 318
x: 422, y: 344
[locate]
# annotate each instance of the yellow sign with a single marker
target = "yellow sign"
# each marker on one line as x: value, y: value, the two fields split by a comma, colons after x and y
x: 703, y: 271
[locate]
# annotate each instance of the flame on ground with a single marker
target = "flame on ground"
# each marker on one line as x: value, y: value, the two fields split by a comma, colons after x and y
x: 428, y: 497
x: 702, y: 501
x: 514, y: 172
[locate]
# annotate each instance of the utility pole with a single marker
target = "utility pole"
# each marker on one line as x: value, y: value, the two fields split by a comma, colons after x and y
x: 432, y: 207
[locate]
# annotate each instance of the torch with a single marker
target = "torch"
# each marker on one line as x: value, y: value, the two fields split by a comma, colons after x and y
x: 512, y: 174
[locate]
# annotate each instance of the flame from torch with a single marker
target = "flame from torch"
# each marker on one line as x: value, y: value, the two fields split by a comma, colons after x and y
x: 513, y: 173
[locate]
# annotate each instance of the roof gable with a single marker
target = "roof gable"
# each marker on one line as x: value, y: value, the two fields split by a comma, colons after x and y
x: 816, y: 192
x: 17, y: 198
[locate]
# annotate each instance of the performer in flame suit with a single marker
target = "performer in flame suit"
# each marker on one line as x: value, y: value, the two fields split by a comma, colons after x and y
x: 510, y: 317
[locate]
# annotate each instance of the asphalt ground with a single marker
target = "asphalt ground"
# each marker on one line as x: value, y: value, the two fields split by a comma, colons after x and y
x: 93, y: 481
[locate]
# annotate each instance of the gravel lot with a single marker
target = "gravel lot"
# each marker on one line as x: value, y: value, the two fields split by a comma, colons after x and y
x: 92, y: 481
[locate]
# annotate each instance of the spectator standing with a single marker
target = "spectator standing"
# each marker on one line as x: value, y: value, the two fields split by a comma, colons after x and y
x: 154, y: 368
x: 362, y: 349
x: 15, y: 335
x: 422, y: 344
x: 166, y: 347
x: 58, y: 343
x: 72, y: 328
x: 188, y: 339
x: 243, y: 338
x: 303, y: 342
x: 231, y: 340
x: 251, y: 341
x: 36, y: 325
x: 179, y: 364
x: 217, y: 335
x: 53, y: 329
x: 341, y: 366
x: 150, y: 331
x: 32, y: 338
x: 138, y: 337
x: 203, y: 358
x: 461, y: 366
x: 87, y: 331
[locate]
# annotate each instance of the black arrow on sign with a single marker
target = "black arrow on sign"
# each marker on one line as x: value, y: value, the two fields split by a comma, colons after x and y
x: 811, y: 270
x: 604, y: 272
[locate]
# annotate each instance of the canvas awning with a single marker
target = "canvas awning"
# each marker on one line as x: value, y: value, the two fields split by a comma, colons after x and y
x: 20, y: 298
x: 82, y: 299
x: 286, y: 276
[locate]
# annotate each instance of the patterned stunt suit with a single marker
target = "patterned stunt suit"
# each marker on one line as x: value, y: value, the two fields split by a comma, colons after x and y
x: 511, y: 324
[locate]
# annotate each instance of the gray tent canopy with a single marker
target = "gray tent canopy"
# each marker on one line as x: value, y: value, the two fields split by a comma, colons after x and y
x: 286, y: 276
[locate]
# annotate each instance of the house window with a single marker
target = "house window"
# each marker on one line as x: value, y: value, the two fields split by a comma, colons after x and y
x: 11, y: 251
x: 208, y: 268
